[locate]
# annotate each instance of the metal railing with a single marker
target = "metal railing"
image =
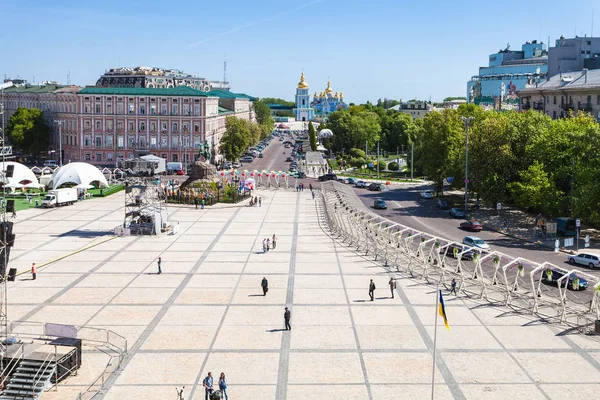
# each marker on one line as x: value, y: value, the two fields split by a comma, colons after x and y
x: 543, y: 289
x: 7, y: 372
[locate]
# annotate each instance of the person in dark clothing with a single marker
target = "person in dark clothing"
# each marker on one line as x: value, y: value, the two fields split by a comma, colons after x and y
x: 453, y: 288
x: 265, y: 285
x: 392, y: 284
x: 287, y: 315
x: 372, y: 290
x: 310, y: 186
x: 196, y: 202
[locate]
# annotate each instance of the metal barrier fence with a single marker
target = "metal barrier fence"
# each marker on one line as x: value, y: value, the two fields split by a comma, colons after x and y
x: 547, y: 290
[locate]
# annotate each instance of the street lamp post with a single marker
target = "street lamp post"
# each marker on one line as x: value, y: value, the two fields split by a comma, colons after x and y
x: 59, y: 122
x: 467, y: 121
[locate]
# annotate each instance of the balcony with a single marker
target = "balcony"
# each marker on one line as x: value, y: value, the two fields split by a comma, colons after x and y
x: 566, y: 106
x: 539, y: 105
x: 526, y: 106
x: 587, y: 107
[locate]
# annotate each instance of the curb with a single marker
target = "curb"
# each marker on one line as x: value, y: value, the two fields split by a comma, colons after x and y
x: 522, y: 239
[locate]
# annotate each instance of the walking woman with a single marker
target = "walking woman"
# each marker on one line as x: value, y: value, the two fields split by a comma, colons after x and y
x: 223, y: 386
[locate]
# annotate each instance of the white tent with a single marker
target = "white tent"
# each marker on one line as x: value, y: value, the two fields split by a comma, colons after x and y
x: 21, y: 174
x: 78, y: 173
x: 162, y: 163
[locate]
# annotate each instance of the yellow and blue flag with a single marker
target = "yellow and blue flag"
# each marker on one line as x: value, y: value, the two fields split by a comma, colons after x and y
x: 442, y: 311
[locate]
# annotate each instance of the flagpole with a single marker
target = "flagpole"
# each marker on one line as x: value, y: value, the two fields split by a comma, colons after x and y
x: 437, y: 306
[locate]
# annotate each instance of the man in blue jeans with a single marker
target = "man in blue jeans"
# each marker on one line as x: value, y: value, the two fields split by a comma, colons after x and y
x: 208, y: 386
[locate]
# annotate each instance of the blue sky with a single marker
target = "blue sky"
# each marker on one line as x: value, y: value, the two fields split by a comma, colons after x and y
x: 369, y: 49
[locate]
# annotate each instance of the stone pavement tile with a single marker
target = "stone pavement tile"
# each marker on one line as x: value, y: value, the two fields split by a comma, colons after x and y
x: 212, y: 281
x: 46, y: 279
x: 248, y: 338
x: 382, y: 296
x: 143, y: 296
x: 130, y: 267
x: 456, y: 315
x: 180, y: 337
x: 227, y: 257
x: 87, y: 296
x: 250, y: 368
x: 232, y: 240
x: 380, y: 315
x: 317, y: 268
x: 315, y: 257
x: 67, y: 391
x: 318, y: 282
x: 268, y: 257
x: 527, y: 337
x: 106, y: 281
x: 194, y: 239
x: 204, y: 296
x: 474, y: 367
x: 346, y: 392
x: 244, y: 392
x: 133, y: 315
x: 319, y: 296
x: 501, y: 392
x: 325, y: 368
x: 406, y: 367
x: 412, y: 392
x: 177, y: 256
x: 66, y: 265
x: 585, y: 342
x: 92, y: 366
x: 162, y: 369
x: 239, y: 247
x: 17, y: 312
x: 490, y: 315
x: 66, y: 314
x: 131, y: 333
x: 153, y: 280
x: 255, y: 296
x: 419, y: 294
x: 224, y: 267
x: 271, y: 316
x: 322, y: 337
x: 320, y: 315
x: 463, y: 337
x: 173, y: 266
x: 558, y: 367
x: 571, y: 390
x: 137, y: 256
x: 144, y: 245
x: 362, y: 282
x: 192, y: 315
x: 389, y: 337
x: 350, y: 268
x: 30, y: 295
x: 253, y: 281
x: 183, y: 247
x: 267, y: 267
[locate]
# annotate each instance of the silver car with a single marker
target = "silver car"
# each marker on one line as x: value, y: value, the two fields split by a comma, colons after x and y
x: 589, y: 259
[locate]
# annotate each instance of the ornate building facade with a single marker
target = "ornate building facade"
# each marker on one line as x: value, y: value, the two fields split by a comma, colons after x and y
x: 303, y: 111
x: 328, y: 101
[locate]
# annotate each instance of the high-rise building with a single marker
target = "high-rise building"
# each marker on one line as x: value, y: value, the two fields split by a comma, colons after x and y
x: 574, y: 54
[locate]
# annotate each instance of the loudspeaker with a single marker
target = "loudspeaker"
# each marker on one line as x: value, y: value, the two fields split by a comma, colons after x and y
x: 10, y: 170
x: 10, y: 207
x: 12, y: 274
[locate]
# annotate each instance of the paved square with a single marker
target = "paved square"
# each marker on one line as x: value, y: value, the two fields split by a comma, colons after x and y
x: 206, y: 312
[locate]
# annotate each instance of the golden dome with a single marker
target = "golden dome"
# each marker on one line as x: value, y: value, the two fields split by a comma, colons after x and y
x: 302, y: 84
x: 341, y: 95
x: 316, y: 95
x: 336, y: 95
x: 328, y: 90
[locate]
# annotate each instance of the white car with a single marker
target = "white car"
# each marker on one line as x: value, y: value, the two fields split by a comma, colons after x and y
x: 476, y: 242
x: 426, y: 194
x: 589, y: 259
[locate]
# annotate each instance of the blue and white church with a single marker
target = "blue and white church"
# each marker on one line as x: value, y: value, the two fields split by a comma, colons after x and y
x: 303, y: 111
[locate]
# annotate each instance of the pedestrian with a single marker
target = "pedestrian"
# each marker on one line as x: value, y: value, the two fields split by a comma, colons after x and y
x: 310, y: 186
x: 202, y: 205
x: 392, y: 284
x: 264, y: 245
x: 260, y: 201
x: 505, y: 223
x: 158, y: 263
x: 274, y: 242
x: 208, y: 386
x: 372, y: 290
x: 302, y: 186
x: 265, y: 285
x: 268, y: 244
x: 14, y: 213
x: 313, y: 195
x: 287, y: 315
x: 223, y: 386
x: 453, y: 287
x: 196, y: 202
x: 33, y: 271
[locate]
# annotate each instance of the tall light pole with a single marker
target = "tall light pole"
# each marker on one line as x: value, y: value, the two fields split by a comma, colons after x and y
x: 467, y: 121
x: 59, y: 122
x: 377, y: 160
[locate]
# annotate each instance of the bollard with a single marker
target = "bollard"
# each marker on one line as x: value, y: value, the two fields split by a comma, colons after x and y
x: 556, y: 245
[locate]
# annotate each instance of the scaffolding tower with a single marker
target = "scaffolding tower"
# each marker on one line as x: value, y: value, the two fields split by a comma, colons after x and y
x: 145, y: 207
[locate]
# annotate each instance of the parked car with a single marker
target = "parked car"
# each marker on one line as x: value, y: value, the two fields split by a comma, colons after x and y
x: 589, y: 259
x: 556, y: 275
x: 361, y: 184
x: 473, y: 226
x: 260, y: 155
x: 467, y: 255
x: 180, y: 172
x: 426, y: 194
x: 442, y: 204
x: 456, y: 213
x: 328, y: 177
x: 247, y: 159
x: 289, y: 159
x: 474, y: 241
x: 352, y: 181
x: 301, y: 174
x: 236, y: 165
x: 375, y: 187
x: 379, y: 204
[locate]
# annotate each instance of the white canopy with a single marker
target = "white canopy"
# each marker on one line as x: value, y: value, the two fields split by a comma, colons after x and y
x: 78, y: 173
x: 21, y: 173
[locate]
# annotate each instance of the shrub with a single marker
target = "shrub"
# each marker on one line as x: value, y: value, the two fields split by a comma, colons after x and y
x: 382, y: 165
x: 357, y: 153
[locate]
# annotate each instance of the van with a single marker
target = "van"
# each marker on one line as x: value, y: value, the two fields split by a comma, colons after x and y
x: 50, y: 163
x: 566, y: 226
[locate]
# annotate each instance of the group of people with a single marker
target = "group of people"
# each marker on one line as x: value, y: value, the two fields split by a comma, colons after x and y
x: 267, y: 242
x: 391, y: 283
x: 255, y: 201
x: 209, y: 389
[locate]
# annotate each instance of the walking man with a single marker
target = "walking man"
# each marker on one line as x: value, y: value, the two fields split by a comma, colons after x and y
x: 196, y: 202
x: 264, y: 245
x: 310, y: 186
x: 392, y: 284
x: 158, y: 263
x: 260, y: 201
x: 33, y: 271
x: 208, y: 386
x: 313, y: 194
x: 372, y: 290
x: 268, y: 244
x: 453, y: 289
x: 274, y: 242
x: 287, y: 315
x: 265, y: 285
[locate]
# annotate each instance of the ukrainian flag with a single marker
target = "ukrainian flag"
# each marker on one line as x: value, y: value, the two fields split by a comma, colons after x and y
x: 442, y: 311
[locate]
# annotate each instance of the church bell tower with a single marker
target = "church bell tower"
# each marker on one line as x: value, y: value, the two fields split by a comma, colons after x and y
x: 303, y: 111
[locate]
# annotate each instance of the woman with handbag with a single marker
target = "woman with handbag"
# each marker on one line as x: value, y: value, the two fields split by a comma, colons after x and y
x: 223, y: 386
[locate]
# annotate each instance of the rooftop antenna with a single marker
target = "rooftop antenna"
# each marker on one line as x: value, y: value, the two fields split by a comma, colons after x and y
x: 69, y: 78
x: 224, y: 71
x: 592, y: 34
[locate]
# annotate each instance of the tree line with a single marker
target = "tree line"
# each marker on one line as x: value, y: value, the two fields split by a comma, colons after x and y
x: 524, y: 158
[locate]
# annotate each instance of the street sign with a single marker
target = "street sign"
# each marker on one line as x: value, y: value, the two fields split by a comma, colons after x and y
x: 498, y: 206
x: 466, y: 180
x: 578, y: 223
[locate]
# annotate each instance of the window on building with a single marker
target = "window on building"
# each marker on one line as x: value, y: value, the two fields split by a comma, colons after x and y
x: 152, y: 127
x: 87, y: 125
x: 164, y: 143
x: 119, y: 125
x: 174, y: 158
x: 554, y: 99
x: 98, y: 141
x: 153, y: 142
x: 186, y: 109
x: 98, y: 125
x: 598, y: 99
x: 174, y: 109
x: 174, y: 142
x: 121, y: 142
x: 119, y: 108
x: 131, y: 126
x: 109, y: 156
x: 109, y: 126
x: 142, y: 109
x: 88, y: 156
x: 143, y: 142
x: 142, y: 126
x: 163, y: 109
x: 98, y: 108
x: 153, y: 109
x: 164, y: 155
x: 131, y: 109
x: 87, y: 141
x: 196, y: 127
x: 197, y: 142
x: 120, y: 156
x: 109, y: 141
x: 196, y: 109
x: 174, y: 127
x: 185, y: 127
x: 589, y: 99
x: 164, y: 127
x: 109, y: 108
x: 86, y: 109
x: 98, y: 156
x: 186, y: 142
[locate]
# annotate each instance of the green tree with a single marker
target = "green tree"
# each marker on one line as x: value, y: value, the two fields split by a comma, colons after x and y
x: 263, y: 118
x: 534, y: 188
x: 277, y: 100
x: 236, y: 138
x: 312, y: 137
x: 27, y: 130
